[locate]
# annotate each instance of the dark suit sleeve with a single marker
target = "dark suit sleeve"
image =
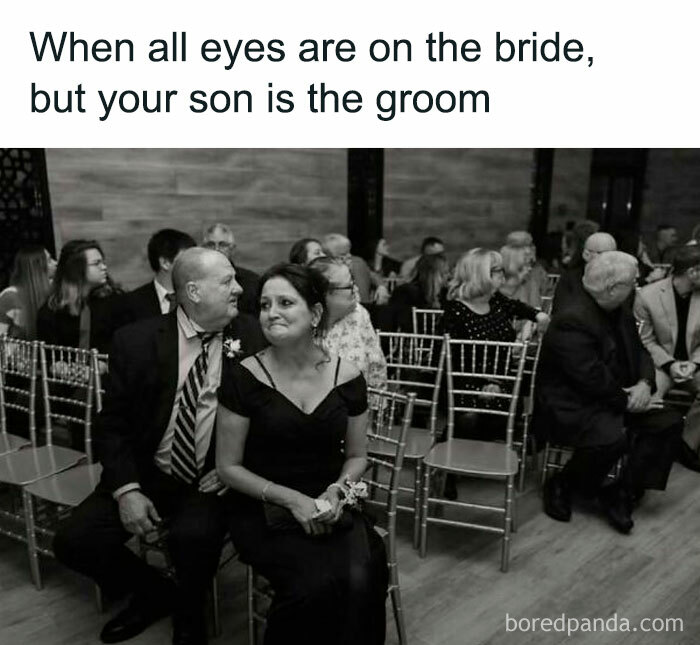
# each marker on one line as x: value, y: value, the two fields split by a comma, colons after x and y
x: 577, y: 351
x: 115, y: 438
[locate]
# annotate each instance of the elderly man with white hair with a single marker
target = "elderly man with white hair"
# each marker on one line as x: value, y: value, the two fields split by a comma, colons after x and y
x: 594, y: 394
x: 569, y: 286
x: 220, y: 237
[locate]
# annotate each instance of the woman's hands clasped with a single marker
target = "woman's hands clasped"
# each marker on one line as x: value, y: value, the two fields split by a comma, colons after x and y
x: 314, y: 521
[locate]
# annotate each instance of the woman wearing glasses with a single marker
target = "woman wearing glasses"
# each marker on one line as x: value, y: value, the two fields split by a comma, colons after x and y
x: 79, y: 310
x: 349, y: 331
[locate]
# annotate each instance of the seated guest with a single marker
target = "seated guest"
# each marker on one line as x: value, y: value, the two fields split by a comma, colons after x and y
x: 381, y: 263
x: 595, y: 382
x: 291, y: 431
x: 424, y: 291
x: 535, y: 281
x: 429, y: 246
x: 153, y: 439
x: 80, y: 308
x: 570, y: 286
x: 305, y: 251
x: 30, y: 282
x: 516, y: 271
x: 220, y: 237
x: 669, y: 313
x: 475, y: 308
x: 348, y: 330
x: 631, y: 242
x: 370, y: 288
x: 665, y: 240
x: 157, y: 296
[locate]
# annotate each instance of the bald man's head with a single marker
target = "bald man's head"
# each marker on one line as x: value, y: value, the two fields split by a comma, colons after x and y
x: 596, y: 244
x: 205, y: 285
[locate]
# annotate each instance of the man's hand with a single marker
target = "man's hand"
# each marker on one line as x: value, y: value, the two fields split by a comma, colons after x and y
x: 542, y: 321
x: 681, y: 371
x: 137, y: 513
x: 638, y: 397
x: 210, y: 483
x: 381, y: 295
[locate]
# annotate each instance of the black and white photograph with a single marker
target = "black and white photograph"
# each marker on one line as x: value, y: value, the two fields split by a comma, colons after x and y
x: 349, y: 396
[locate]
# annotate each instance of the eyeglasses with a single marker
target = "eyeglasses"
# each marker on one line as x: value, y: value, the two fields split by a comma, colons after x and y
x: 345, y: 287
x: 497, y: 270
x: 97, y: 263
x: 218, y: 246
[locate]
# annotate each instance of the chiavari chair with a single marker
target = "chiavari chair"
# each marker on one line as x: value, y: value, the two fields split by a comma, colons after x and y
x: 18, y: 376
x: 471, y: 365
x: 427, y: 321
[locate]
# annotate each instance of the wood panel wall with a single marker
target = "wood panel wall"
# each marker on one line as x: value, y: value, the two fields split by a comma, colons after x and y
x: 467, y: 197
x: 121, y: 196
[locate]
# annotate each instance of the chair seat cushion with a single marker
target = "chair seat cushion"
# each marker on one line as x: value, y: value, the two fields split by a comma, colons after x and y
x: 468, y: 456
x: 31, y: 464
x: 11, y: 443
x: 70, y: 487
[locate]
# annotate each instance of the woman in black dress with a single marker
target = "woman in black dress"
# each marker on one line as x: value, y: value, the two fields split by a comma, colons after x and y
x: 291, y: 431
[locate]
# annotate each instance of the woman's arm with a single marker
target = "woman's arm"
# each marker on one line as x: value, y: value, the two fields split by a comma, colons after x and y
x: 231, y: 435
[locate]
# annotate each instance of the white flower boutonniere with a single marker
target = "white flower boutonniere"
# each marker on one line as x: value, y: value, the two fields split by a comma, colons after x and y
x: 232, y: 348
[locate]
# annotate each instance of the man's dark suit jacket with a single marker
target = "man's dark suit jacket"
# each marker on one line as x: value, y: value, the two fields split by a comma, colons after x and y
x: 569, y: 288
x: 141, y: 391
x: 579, y: 395
x: 139, y: 304
x: 248, y: 300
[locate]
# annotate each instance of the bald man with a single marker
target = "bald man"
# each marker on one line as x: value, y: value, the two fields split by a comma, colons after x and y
x: 155, y: 440
x: 570, y: 286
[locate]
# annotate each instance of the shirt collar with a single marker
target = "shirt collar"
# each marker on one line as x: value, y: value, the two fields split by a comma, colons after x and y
x: 189, y: 327
x: 161, y: 291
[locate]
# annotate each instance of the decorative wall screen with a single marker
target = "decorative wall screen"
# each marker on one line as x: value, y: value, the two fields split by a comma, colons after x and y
x: 25, y: 209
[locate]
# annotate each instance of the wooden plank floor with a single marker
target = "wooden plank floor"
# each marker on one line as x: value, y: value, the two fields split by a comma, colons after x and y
x: 456, y: 595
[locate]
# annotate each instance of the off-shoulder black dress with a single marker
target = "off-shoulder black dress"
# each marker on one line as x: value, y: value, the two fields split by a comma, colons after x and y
x: 328, y: 589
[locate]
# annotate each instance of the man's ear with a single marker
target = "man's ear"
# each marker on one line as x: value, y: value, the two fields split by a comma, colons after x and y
x: 192, y: 292
x: 164, y: 264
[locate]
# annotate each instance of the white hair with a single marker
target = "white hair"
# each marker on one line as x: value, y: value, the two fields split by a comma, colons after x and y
x: 219, y: 226
x: 607, y: 269
x: 336, y: 244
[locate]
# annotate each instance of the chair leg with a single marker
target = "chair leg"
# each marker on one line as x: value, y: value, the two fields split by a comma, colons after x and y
x: 543, y: 479
x: 417, y: 499
x: 505, y: 546
x: 423, y: 546
x: 251, y: 606
x: 398, y: 614
x: 33, y: 553
x: 215, y: 605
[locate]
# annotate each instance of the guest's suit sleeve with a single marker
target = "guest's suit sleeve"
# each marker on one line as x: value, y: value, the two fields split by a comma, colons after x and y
x: 115, y: 437
x: 648, y: 334
x: 577, y: 351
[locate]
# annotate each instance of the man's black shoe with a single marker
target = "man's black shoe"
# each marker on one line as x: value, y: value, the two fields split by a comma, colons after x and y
x: 140, y: 614
x: 688, y: 457
x: 557, y: 499
x: 616, y: 506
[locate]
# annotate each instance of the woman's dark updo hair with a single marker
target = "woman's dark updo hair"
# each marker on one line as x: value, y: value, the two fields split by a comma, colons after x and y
x: 298, y: 253
x: 311, y: 285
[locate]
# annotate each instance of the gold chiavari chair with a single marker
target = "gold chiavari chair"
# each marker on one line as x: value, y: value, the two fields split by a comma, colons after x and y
x: 18, y: 470
x: 427, y: 321
x: 470, y: 366
x: 71, y: 394
x: 415, y: 363
x: 392, y: 410
x: 18, y: 375
x: 546, y: 303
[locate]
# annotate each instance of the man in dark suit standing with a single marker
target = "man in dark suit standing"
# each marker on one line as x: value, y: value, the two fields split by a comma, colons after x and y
x: 220, y: 237
x: 155, y: 442
x: 157, y: 296
x: 594, y: 389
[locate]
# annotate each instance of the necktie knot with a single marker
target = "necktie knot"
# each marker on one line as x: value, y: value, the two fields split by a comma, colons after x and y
x: 206, y: 337
x: 172, y: 301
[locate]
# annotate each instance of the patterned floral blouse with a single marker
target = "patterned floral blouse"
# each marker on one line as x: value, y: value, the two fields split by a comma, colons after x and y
x: 354, y: 339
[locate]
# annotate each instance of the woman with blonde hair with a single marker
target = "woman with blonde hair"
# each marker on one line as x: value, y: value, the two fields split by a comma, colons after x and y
x: 517, y: 269
x: 29, y: 287
x: 475, y: 307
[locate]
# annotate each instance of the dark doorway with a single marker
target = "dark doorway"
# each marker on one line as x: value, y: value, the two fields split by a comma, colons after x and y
x: 365, y: 198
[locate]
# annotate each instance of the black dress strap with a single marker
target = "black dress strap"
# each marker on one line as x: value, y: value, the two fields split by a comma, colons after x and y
x: 264, y: 369
x: 337, y: 371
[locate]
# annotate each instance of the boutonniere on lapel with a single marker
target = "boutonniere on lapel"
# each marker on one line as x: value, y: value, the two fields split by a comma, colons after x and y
x: 232, y: 348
